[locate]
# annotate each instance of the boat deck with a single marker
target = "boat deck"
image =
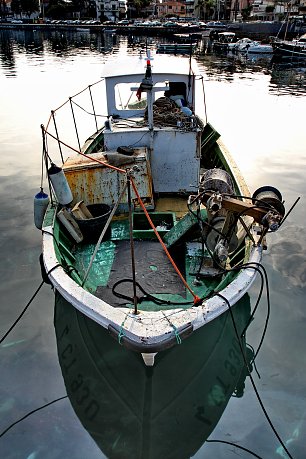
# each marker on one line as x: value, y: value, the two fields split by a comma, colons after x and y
x: 111, y: 270
x: 154, y: 273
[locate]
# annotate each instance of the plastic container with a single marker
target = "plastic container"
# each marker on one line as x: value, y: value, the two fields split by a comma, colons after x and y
x: 163, y: 222
x: 91, y: 228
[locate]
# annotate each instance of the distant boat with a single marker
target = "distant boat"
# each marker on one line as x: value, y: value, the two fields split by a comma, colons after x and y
x: 151, y: 230
x: 246, y: 45
x: 176, y: 48
x: 295, y: 49
x: 222, y: 40
x: 166, y: 411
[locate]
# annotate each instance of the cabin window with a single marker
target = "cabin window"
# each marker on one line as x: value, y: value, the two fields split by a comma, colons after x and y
x: 126, y: 99
x: 176, y: 89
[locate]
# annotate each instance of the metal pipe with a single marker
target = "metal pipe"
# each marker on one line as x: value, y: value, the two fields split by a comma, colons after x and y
x: 45, y: 155
x: 93, y: 107
x: 103, y: 233
x: 132, y: 242
x: 56, y: 131
x: 76, y: 129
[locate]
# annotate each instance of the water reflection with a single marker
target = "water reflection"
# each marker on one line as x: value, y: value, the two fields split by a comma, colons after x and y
x: 290, y: 246
x: 7, y: 54
x: 165, y: 411
x: 62, y: 44
x: 288, y: 78
x: 285, y: 77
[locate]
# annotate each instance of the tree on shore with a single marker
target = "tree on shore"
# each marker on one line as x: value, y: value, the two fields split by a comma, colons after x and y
x: 29, y: 7
x: 16, y: 7
x: 139, y: 4
x: 204, y: 8
x: 57, y: 9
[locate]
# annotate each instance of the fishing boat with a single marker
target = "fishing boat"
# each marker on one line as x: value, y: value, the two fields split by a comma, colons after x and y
x: 134, y: 411
x: 149, y: 228
x: 294, y: 49
x: 223, y: 40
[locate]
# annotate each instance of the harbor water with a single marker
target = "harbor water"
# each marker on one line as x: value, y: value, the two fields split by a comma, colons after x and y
x: 258, y: 107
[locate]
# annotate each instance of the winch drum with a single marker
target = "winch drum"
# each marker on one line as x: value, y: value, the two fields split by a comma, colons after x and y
x: 271, y: 196
x: 217, y: 180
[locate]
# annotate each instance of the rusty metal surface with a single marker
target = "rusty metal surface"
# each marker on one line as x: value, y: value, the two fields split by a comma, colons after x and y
x: 80, y: 162
x: 94, y: 183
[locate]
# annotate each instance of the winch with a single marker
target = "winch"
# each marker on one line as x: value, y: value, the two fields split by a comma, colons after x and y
x: 227, y: 213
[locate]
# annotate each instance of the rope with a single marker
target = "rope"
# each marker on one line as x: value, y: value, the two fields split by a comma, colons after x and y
x: 77, y: 94
x: 83, y: 154
x: 251, y: 377
x: 147, y: 296
x: 86, y: 111
x: 27, y: 305
x: 197, y: 300
x: 103, y: 233
x: 236, y: 446
x: 166, y: 113
x: 264, y: 277
x: 31, y: 412
x: 176, y: 333
x: 121, y: 331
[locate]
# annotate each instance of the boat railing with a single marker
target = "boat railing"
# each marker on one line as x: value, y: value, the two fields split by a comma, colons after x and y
x: 78, y: 112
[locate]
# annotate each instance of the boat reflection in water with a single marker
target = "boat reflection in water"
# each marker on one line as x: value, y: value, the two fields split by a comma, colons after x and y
x: 165, y: 411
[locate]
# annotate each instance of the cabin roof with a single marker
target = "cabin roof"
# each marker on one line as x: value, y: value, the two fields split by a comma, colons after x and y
x: 227, y: 34
x: 161, y: 64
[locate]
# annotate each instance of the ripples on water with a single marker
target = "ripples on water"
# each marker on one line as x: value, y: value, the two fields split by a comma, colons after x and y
x: 259, y: 108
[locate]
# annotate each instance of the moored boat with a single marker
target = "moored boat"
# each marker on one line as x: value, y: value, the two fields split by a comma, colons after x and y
x: 151, y: 230
x: 294, y: 49
x: 223, y: 40
x: 177, y: 48
x: 247, y: 45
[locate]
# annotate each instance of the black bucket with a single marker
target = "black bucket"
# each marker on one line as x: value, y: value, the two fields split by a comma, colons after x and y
x: 91, y: 228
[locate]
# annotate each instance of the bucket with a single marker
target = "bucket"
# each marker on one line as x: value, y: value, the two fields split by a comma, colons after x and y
x: 91, y: 228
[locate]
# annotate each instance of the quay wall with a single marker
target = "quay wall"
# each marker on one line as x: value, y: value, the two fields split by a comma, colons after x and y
x: 256, y: 30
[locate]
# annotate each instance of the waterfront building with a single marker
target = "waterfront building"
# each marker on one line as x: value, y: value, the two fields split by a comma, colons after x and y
x: 171, y: 7
x: 263, y: 10
x: 189, y: 5
x: 113, y: 10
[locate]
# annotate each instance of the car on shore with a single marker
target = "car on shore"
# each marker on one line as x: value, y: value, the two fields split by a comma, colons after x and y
x: 170, y: 24
x: 125, y: 22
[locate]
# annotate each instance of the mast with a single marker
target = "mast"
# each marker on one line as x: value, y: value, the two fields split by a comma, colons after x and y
x: 148, y: 82
x: 146, y: 85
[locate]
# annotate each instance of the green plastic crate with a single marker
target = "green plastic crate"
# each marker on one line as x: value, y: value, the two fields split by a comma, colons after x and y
x: 163, y: 222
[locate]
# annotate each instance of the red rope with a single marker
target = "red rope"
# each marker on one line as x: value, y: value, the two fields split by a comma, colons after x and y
x: 86, y: 156
x: 196, y: 299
